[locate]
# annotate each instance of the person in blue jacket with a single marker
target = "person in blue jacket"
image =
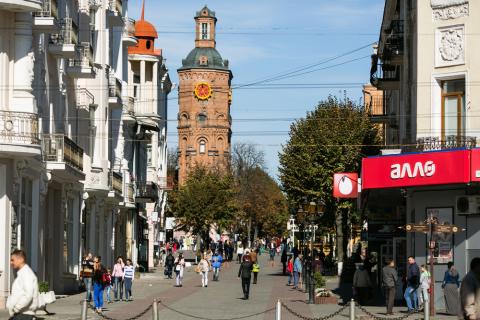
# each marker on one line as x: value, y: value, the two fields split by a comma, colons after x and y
x: 216, y: 265
x: 297, y: 270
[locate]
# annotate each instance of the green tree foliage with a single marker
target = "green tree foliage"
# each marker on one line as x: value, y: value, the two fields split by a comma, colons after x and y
x: 332, y: 138
x: 207, y: 199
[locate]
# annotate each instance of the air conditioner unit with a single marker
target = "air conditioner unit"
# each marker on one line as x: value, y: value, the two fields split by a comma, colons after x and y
x: 467, y: 205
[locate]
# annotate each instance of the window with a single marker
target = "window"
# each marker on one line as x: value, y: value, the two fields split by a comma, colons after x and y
x: 453, y: 108
x: 25, y: 219
x: 149, y: 155
x: 149, y: 44
x: 92, y: 133
x: 205, y: 28
x: 203, y: 146
x: 202, y: 117
x: 68, y: 258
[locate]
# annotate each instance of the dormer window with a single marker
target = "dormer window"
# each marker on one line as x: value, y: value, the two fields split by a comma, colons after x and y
x: 203, y: 61
x: 205, y: 33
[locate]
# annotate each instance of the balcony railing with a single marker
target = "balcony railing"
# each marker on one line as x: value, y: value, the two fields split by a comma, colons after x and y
x: 116, y: 6
x: 448, y: 142
x: 130, y: 190
x: 84, y: 99
x: 114, y: 86
x: 115, y: 181
x: 129, y: 28
x: 84, y: 56
x: 146, y: 191
x: 49, y: 9
x: 128, y: 106
x: 166, y: 183
x: 59, y: 148
x: 68, y: 33
x: 383, y: 74
x: 19, y: 128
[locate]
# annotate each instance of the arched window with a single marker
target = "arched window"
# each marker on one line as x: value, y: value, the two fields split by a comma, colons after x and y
x: 202, y: 118
x: 203, y: 146
x: 149, y: 44
x: 220, y: 144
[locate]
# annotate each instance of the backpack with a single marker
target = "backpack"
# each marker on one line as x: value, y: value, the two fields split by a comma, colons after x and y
x: 105, y: 278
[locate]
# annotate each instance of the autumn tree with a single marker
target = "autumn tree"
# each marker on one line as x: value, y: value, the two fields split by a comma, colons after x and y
x: 206, y: 200
x: 332, y: 138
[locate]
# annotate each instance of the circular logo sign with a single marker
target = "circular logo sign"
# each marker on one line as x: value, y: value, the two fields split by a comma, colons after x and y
x: 345, y: 186
x: 203, y: 91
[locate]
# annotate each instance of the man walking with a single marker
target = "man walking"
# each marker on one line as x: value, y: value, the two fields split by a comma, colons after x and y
x: 413, y: 279
x: 23, y: 300
x: 245, y: 273
x: 470, y: 291
x: 389, y: 281
x: 169, y: 263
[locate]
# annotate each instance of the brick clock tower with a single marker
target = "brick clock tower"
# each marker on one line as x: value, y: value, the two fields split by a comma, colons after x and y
x: 204, y: 98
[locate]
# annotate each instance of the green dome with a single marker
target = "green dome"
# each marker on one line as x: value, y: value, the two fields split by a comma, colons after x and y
x: 204, y: 58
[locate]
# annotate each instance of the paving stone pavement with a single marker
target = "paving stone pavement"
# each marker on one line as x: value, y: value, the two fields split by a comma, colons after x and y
x: 220, y: 300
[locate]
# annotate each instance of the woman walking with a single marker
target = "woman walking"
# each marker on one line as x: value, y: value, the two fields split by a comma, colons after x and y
x: 128, y: 275
x: 240, y: 252
x: 117, y: 276
x: 245, y: 273
x: 98, y: 283
x: 450, y: 287
x: 203, y: 268
x: 423, y: 295
x: 179, y: 268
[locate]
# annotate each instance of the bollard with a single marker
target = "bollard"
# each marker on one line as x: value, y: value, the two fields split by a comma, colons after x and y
x: 426, y: 310
x: 352, y: 309
x: 155, y: 310
x: 84, y: 310
x: 278, y: 313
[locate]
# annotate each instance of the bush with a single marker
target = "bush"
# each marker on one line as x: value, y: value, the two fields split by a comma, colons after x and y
x: 319, y: 280
x: 43, y: 287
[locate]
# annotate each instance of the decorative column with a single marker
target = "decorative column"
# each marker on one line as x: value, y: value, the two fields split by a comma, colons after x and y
x: 141, y: 89
x: 23, y: 99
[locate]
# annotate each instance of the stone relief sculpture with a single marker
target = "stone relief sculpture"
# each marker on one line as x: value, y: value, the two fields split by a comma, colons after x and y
x: 449, y: 9
x: 450, y: 46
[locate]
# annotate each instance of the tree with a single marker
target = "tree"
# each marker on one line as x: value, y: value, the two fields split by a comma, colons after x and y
x: 245, y: 159
x: 206, y: 200
x: 332, y: 138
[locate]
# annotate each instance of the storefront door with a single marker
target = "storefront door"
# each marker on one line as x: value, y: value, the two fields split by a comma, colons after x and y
x: 400, y: 256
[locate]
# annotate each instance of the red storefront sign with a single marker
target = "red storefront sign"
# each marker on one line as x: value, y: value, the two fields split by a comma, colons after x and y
x: 419, y: 169
x: 475, y: 165
x: 345, y: 185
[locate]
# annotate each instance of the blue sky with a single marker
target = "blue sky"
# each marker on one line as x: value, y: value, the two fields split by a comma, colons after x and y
x: 265, y: 38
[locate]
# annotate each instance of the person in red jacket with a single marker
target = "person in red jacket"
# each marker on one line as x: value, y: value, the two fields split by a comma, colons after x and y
x: 290, y: 270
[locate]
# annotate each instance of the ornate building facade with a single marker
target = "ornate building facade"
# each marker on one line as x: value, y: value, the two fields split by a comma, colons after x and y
x: 204, y: 128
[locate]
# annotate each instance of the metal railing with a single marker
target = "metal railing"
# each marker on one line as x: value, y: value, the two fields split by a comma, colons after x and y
x: 385, y: 72
x: 115, y: 181
x: 84, y: 56
x: 129, y: 28
x: 68, y: 33
x: 19, y: 127
x: 60, y: 148
x: 130, y: 190
x: 146, y: 190
x: 84, y: 99
x: 49, y: 9
x: 375, y: 106
x: 129, y: 105
x: 447, y: 142
x: 165, y: 183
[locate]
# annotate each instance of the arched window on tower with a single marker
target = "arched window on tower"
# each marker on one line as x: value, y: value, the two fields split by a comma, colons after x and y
x: 205, y: 31
x: 203, y: 146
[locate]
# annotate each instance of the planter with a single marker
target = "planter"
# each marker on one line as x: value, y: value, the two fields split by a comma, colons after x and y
x: 326, y: 300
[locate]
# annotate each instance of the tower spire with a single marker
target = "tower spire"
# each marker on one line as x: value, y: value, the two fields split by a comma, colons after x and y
x: 143, y: 10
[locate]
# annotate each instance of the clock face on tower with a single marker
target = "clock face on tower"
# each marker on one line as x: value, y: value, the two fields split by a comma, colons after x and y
x: 203, y: 91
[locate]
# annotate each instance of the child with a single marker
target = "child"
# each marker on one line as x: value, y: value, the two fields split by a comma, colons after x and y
x: 128, y: 274
x: 255, y: 270
x: 108, y: 284
x: 424, y: 285
x: 290, y: 270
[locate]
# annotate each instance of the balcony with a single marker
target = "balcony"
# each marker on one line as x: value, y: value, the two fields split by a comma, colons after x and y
x: 146, y: 192
x: 445, y: 143
x: 85, y: 99
x: 63, y: 44
x: 86, y: 5
x: 19, y: 133
x: 165, y: 183
x: 114, y: 89
x: 63, y: 156
x: 115, y: 13
x: 21, y: 5
x: 128, y: 36
x: 82, y: 65
x: 393, y: 47
x: 115, y: 182
x: 128, y: 113
x: 385, y: 76
x: 46, y: 19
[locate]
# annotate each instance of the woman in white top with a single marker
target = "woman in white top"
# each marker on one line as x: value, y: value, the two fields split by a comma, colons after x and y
x: 240, y: 252
x: 204, y: 267
x: 179, y: 268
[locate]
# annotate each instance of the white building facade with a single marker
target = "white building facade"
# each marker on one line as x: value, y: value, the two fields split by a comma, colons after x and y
x: 67, y: 183
x: 426, y: 65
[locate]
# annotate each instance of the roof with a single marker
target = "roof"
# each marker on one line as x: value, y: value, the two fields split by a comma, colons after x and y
x: 213, y: 60
x: 205, y: 12
x: 144, y: 28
